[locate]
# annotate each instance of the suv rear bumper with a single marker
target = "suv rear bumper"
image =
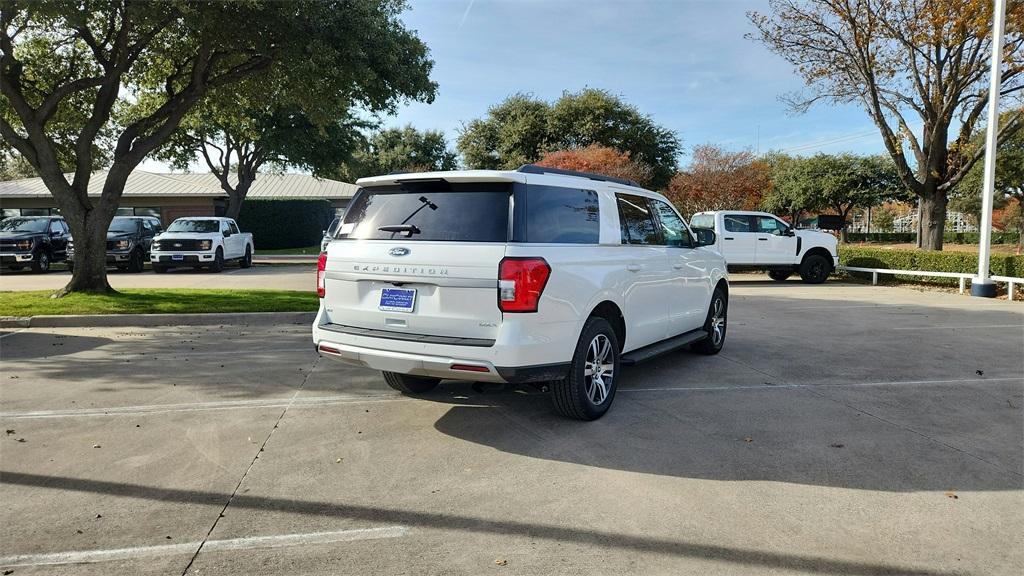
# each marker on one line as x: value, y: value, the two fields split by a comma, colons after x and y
x: 519, y: 354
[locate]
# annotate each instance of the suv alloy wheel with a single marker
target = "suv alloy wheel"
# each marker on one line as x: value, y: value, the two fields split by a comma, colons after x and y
x: 587, y: 392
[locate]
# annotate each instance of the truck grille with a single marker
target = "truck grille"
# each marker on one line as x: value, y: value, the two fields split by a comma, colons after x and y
x: 11, y: 247
x: 177, y: 245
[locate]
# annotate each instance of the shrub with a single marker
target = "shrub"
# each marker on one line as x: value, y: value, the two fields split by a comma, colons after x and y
x: 948, y: 237
x: 285, y: 223
x: 927, y: 261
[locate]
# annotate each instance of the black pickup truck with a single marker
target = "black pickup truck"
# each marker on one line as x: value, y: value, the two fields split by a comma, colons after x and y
x: 129, y: 239
x: 33, y: 241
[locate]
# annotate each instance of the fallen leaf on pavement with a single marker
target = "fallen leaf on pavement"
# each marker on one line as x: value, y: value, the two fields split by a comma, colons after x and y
x: 837, y: 445
x: 501, y: 562
x: 979, y: 372
x: 338, y: 461
x: 952, y: 495
x: 95, y: 445
x: 10, y: 431
x: 748, y: 439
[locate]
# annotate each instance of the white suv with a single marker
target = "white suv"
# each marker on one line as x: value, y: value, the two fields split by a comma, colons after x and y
x: 535, y: 275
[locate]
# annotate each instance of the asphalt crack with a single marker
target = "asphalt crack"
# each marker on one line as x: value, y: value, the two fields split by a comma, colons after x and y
x: 250, y: 467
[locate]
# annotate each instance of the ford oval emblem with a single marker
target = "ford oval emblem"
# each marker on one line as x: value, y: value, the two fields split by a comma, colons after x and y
x: 398, y: 251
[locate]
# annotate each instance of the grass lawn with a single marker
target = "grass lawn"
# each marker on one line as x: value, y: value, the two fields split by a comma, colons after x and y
x: 314, y: 250
x: 157, y: 301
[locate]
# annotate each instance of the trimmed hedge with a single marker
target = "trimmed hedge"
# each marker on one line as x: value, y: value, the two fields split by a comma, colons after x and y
x: 948, y: 237
x: 924, y: 260
x: 285, y: 223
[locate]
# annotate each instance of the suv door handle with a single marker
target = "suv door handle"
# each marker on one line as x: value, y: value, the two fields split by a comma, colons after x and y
x: 634, y: 267
x: 677, y: 265
x: 728, y: 238
x: 763, y: 239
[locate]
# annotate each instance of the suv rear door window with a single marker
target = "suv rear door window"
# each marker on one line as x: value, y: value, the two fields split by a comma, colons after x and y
x: 561, y: 215
x: 769, y: 225
x: 472, y: 212
x: 703, y: 221
x: 636, y: 221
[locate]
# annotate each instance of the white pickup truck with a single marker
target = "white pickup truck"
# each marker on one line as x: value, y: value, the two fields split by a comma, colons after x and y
x: 201, y: 241
x: 762, y: 241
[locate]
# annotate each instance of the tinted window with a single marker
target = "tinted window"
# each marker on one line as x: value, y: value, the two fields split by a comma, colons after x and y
x: 55, y: 227
x: 738, y: 223
x: 561, y: 215
x: 673, y: 229
x: 333, y: 227
x: 233, y: 227
x: 476, y: 212
x: 703, y: 221
x: 770, y: 225
x: 636, y: 221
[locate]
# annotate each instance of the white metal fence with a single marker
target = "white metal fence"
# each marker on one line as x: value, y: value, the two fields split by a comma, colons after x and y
x: 1011, y: 282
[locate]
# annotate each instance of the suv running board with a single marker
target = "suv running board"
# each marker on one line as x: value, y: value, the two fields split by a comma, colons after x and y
x: 663, y: 347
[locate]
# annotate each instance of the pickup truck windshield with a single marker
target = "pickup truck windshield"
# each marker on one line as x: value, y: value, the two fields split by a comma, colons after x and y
x: 703, y: 221
x: 24, y: 225
x: 202, y: 226
x: 459, y: 213
x: 123, y: 226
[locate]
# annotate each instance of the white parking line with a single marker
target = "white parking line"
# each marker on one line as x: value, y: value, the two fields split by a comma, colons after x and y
x: 204, y: 406
x: 255, y: 542
x: 1021, y: 326
x: 847, y: 385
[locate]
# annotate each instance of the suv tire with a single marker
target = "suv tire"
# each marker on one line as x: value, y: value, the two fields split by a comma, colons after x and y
x: 587, y: 392
x: 780, y: 275
x: 815, y: 269
x: 716, y: 325
x: 407, y: 384
x: 41, y: 263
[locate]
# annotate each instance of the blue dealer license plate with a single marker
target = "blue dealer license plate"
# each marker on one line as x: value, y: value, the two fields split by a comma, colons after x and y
x: 397, y: 299
x: 177, y: 256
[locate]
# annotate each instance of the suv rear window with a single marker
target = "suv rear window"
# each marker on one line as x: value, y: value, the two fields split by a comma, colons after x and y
x: 472, y: 212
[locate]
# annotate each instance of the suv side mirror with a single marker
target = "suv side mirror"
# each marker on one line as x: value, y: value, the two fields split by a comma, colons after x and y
x: 789, y: 232
x: 705, y: 236
x: 227, y: 233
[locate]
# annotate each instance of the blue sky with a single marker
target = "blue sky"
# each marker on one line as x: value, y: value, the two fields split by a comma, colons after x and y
x: 685, y: 63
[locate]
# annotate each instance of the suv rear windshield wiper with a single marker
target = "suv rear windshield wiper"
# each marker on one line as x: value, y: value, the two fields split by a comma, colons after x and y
x: 409, y: 229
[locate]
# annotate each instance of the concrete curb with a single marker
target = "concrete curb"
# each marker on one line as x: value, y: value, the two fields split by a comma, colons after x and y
x: 115, y: 320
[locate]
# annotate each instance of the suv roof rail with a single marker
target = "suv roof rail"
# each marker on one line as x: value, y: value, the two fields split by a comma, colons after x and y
x: 535, y: 169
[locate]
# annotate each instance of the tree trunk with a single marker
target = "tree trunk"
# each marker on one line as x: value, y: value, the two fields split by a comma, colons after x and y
x: 237, y: 196
x: 932, y: 223
x: 89, y: 220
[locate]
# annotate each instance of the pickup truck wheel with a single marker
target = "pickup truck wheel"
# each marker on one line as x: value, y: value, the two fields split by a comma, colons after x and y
x: 407, y: 384
x: 815, y: 269
x: 218, y: 261
x: 135, y: 263
x: 41, y: 263
x: 246, y: 261
x: 715, y: 325
x: 589, y: 389
x: 779, y: 275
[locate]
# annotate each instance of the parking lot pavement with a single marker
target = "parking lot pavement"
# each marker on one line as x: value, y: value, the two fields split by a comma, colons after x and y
x: 844, y: 430
x: 277, y: 277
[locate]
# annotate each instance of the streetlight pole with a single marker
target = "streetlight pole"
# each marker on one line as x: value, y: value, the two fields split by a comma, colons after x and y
x: 982, y: 285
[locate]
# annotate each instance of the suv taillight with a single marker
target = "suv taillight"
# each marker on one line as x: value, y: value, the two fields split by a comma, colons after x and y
x: 321, y: 271
x: 521, y: 281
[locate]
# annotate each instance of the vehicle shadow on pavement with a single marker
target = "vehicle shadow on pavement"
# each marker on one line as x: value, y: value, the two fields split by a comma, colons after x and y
x: 469, y: 524
x: 34, y: 345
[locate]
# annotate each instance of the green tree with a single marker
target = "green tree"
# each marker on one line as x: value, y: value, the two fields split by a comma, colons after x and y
x: 521, y: 129
x: 793, y: 191
x: 883, y: 219
x: 120, y: 76
x: 1009, y: 182
x: 899, y: 59
x: 399, y: 150
x: 845, y: 182
x: 14, y: 166
x: 514, y: 132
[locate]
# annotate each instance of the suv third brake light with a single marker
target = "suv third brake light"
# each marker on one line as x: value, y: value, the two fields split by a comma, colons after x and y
x: 321, y: 272
x: 521, y: 281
